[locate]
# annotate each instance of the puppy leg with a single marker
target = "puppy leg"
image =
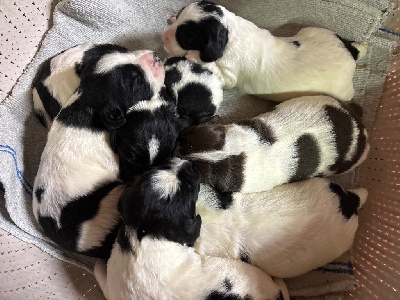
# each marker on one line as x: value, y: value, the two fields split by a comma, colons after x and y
x: 282, y: 287
x: 100, y: 272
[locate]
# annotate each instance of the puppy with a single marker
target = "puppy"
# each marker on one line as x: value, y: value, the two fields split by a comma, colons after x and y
x: 198, y: 92
x: 301, y: 138
x: 314, y: 61
x: 192, y: 94
x: 77, y: 186
x: 153, y: 257
x: 59, y: 77
x: 286, y: 231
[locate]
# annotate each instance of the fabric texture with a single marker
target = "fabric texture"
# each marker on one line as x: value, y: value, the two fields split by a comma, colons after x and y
x: 138, y: 25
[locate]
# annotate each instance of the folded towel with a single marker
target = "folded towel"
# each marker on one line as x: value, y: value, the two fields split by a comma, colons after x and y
x: 138, y: 25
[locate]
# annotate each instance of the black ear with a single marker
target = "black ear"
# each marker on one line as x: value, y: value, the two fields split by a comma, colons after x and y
x: 208, y: 36
x: 192, y: 228
x: 112, y: 117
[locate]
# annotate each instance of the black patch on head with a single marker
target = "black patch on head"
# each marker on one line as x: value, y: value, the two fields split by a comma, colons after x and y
x: 38, y: 193
x: 224, y: 199
x: 208, y: 136
x: 225, y: 175
x: 244, y: 256
x: 308, y: 157
x: 342, y: 129
x: 264, y: 132
x: 50, y: 104
x: 279, y: 296
x: 105, y: 98
x: 173, y: 60
x: 210, y: 7
x: 348, y: 45
x: 172, y: 217
x: 195, y: 102
x: 131, y: 141
x: 124, y: 242
x: 296, y: 43
x: 209, y: 36
x: 72, y: 216
x: 348, y: 201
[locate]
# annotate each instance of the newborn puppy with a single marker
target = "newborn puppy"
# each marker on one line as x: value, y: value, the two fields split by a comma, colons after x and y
x: 153, y: 256
x: 198, y: 92
x: 192, y: 94
x: 314, y: 61
x: 59, y: 77
x: 286, y: 231
x: 301, y: 138
x: 77, y: 187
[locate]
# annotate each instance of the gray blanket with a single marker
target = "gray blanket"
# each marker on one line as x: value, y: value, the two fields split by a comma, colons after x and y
x: 138, y: 25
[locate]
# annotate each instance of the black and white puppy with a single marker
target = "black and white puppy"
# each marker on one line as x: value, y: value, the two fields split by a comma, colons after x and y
x: 153, y: 257
x: 301, y: 138
x: 198, y: 92
x: 77, y: 185
x: 192, y: 94
x: 314, y: 61
x: 286, y: 231
x: 59, y: 77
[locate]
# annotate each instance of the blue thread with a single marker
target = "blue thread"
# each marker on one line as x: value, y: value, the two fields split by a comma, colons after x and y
x: 340, y: 271
x: 389, y: 31
x: 15, y: 153
x: 19, y: 174
x: 337, y: 263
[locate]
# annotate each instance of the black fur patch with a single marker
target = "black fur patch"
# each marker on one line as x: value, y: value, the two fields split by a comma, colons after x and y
x: 172, y: 76
x: 198, y: 69
x: 124, y: 242
x: 225, y: 175
x: 264, y: 132
x: 105, y: 98
x: 308, y: 157
x: 38, y: 193
x: 172, y: 217
x: 296, y: 43
x: 348, y: 201
x: 208, y: 136
x: 218, y: 295
x: 209, y: 36
x: 244, y: 256
x: 210, y: 7
x: 76, y: 212
x: 173, y: 60
x: 343, y: 132
x: 225, y: 199
x: 50, y: 104
x: 347, y: 44
x: 195, y: 102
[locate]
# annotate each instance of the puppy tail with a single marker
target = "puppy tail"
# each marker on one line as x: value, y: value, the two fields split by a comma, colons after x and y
x: 361, y: 48
x: 362, y: 194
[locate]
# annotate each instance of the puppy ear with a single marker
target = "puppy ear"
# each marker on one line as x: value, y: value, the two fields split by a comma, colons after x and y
x: 208, y: 36
x: 192, y: 228
x: 112, y: 117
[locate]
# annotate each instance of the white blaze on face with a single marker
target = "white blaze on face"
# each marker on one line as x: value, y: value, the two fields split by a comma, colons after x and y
x: 166, y: 182
x: 154, y: 146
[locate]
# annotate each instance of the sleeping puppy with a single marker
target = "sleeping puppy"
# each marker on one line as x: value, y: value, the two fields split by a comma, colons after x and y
x: 192, y: 94
x: 198, y: 92
x: 153, y: 257
x: 59, y: 77
x: 301, y: 138
x: 77, y: 187
x: 314, y: 61
x: 286, y: 231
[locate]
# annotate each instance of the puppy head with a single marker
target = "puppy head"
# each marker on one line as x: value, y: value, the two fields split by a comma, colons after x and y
x: 117, y: 81
x: 163, y: 203
x: 199, y: 26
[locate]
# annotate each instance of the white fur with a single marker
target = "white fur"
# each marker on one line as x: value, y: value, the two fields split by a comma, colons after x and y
x: 286, y: 231
x: 166, y: 182
x: 159, y: 269
x: 154, y: 146
x: 258, y: 63
x: 266, y: 165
